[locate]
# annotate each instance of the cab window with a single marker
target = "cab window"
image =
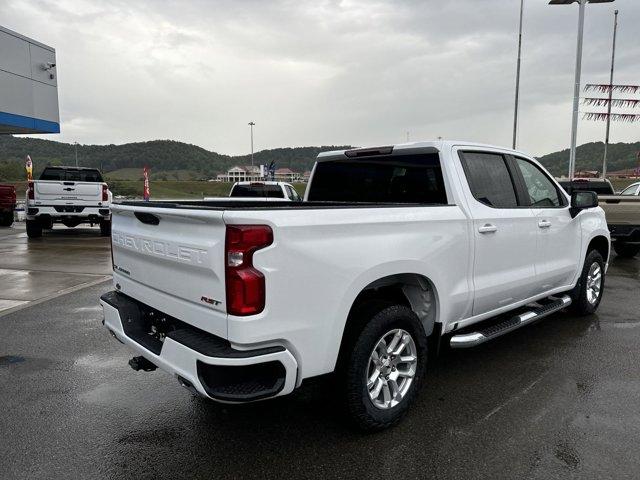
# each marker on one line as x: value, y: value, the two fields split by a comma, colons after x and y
x: 542, y: 192
x: 489, y: 179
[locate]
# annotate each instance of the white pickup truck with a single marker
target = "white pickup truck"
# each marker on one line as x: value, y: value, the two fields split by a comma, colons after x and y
x: 260, y: 190
x: 394, y: 251
x: 68, y: 195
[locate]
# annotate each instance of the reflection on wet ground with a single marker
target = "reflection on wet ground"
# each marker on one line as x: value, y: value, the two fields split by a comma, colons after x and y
x: 558, y: 399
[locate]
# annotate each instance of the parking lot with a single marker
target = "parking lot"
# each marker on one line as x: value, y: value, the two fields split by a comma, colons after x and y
x: 558, y: 399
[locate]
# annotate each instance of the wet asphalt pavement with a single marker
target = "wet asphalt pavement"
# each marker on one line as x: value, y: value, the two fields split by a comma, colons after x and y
x: 559, y: 399
x: 63, y: 260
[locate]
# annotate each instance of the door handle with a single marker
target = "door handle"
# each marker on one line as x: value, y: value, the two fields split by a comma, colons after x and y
x: 544, y: 224
x: 488, y: 228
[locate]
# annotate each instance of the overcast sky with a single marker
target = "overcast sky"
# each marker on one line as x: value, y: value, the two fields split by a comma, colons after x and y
x: 325, y: 71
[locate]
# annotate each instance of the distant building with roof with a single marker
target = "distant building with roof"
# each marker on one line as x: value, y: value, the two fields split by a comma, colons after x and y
x: 286, y: 175
x: 249, y: 173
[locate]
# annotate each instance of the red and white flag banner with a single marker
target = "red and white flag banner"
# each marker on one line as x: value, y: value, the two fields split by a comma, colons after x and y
x: 145, y: 173
x: 615, y: 117
x: 615, y: 102
x: 606, y: 88
x: 28, y: 165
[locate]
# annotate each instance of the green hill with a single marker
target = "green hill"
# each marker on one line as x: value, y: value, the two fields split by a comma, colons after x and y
x: 168, y: 159
x: 589, y: 157
x: 177, y: 161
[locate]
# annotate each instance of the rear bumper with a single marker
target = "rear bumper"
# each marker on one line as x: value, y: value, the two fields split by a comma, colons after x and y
x: 88, y: 213
x: 201, y: 361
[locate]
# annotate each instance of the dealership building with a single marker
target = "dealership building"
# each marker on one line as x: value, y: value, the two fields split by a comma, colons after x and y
x: 29, y: 85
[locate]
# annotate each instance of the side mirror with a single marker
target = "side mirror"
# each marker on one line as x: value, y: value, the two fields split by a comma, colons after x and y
x: 582, y: 200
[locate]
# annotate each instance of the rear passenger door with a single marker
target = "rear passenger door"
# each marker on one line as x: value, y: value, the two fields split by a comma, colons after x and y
x: 504, y: 232
x: 559, y: 235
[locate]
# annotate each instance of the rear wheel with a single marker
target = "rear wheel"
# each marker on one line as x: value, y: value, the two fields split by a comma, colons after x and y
x: 384, y: 369
x: 626, y: 250
x: 588, y: 292
x: 34, y: 228
x: 105, y: 228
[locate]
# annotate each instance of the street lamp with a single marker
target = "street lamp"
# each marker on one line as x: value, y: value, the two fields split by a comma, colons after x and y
x: 576, y: 91
x: 76, y: 146
x: 251, y: 124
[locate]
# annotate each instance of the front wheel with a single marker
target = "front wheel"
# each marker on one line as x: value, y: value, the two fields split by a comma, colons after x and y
x: 384, y: 368
x: 588, y: 292
x: 626, y: 250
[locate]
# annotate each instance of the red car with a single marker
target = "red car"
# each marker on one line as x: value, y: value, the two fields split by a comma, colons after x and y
x: 7, y: 204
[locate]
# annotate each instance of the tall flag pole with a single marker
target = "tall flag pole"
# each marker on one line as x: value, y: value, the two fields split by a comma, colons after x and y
x: 613, y: 64
x: 519, y: 63
x: 146, y: 193
x: 29, y: 167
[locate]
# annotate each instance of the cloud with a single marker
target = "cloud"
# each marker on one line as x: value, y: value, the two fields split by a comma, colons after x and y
x: 322, y: 72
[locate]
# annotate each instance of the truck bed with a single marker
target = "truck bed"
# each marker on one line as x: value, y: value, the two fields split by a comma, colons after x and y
x: 621, y: 209
x: 261, y: 205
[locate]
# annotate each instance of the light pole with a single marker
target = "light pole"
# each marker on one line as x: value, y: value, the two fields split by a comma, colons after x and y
x: 576, y: 90
x: 515, y: 111
x: 76, y: 148
x: 251, y: 124
x: 613, y: 64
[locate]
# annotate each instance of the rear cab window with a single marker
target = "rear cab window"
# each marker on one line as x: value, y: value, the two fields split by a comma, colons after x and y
x: 409, y: 178
x: 257, y: 190
x: 71, y: 175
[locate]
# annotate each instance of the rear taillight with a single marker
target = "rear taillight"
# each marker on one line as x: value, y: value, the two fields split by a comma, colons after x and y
x: 30, y: 191
x: 245, y: 285
x: 105, y: 192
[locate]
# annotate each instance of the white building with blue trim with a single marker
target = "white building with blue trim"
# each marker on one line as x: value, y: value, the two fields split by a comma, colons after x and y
x: 28, y: 85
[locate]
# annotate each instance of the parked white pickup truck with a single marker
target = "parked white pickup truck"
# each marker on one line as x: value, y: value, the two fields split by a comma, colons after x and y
x: 68, y: 195
x: 260, y: 190
x: 394, y: 251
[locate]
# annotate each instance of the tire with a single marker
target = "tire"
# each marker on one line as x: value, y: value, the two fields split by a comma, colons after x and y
x: 6, y: 219
x: 34, y: 229
x: 626, y: 250
x: 105, y: 228
x: 387, y: 323
x: 584, y: 296
x: 48, y: 225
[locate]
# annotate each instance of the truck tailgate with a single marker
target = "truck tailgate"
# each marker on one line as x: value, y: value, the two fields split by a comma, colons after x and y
x: 51, y: 192
x: 173, y: 259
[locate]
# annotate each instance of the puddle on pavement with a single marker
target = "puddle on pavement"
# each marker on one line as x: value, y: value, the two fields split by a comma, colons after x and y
x: 96, y: 362
x: 10, y: 360
x: 87, y: 309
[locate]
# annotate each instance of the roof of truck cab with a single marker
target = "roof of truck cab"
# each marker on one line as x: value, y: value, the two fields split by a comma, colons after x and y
x: 64, y: 167
x: 438, y: 145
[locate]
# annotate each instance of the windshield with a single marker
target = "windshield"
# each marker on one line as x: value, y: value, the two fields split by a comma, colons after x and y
x: 631, y: 190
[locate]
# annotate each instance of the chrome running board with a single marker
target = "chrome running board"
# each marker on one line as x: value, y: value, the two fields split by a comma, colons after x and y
x: 467, y: 340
